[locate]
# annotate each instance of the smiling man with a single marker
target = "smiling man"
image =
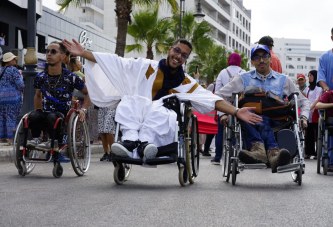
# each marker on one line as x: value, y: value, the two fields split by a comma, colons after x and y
x: 260, y: 137
x: 142, y: 84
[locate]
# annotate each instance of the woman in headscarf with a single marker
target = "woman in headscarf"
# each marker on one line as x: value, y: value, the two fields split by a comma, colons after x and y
x: 313, y: 93
x: 11, y: 88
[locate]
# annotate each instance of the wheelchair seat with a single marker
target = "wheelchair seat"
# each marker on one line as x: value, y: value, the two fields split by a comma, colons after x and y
x: 184, y: 150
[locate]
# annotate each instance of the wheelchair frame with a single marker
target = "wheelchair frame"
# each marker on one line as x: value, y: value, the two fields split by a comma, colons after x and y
x: 188, y: 157
x: 322, y: 143
x: 232, y: 144
x: 78, y: 146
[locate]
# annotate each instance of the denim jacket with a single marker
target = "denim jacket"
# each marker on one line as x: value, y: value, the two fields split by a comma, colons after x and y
x: 274, y: 82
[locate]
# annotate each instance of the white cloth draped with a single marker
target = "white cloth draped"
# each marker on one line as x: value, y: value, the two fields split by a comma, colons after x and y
x: 114, y: 78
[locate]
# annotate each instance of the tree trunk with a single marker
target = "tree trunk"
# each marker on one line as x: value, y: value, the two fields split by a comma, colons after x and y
x: 123, y: 11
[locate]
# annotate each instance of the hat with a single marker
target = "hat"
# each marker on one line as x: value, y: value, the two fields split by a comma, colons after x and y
x: 266, y: 40
x: 234, y: 59
x: 300, y: 76
x: 259, y: 47
x: 8, y: 57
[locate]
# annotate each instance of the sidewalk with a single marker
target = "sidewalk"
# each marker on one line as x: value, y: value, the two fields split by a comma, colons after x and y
x: 5, y: 150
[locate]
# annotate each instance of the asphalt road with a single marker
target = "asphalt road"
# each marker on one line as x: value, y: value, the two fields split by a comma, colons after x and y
x: 153, y: 197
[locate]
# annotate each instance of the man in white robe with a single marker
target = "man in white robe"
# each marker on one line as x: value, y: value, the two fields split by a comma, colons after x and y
x: 142, y: 84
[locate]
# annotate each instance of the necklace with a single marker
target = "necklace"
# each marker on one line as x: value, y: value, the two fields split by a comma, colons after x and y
x: 52, y: 83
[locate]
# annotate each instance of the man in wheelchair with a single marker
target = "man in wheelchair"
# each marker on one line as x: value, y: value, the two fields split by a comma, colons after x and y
x: 54, y: 87
x: 142, y: 84
x: 325, y: 102
x: 264, y: 85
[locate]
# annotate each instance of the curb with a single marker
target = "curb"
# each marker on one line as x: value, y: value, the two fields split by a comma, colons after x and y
x: 5, y: 152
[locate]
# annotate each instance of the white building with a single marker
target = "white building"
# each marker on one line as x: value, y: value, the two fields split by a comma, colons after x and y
x: 296, y: 56
x: 230, y: 21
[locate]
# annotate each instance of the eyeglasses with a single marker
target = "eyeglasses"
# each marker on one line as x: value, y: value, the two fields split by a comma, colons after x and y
x: 259, y: 57
x: 51, y: 51
x: 177, y: 50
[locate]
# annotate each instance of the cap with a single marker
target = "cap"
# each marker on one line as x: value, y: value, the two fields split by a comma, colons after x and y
x: 266, y: 40
x: 259, y: 47
x: 8, y: 57
x: 300, y: 76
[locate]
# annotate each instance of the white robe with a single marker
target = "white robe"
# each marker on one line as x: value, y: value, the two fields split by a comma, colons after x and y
x: 114, y: 78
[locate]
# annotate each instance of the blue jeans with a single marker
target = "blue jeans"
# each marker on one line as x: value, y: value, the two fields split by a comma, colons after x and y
x: 219, y: 141
x: 261, y: 132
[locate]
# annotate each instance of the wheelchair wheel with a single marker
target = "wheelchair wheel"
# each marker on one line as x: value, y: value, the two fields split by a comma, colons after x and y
x: 234, y: 165
x: 17, y: 156
x: 191, y: 152
x: 182, y: 175
x: 226, y: 154
x: 128, y: 169
x: 195, y: 155
x: 57, y: 170
x: 78, y: 144
x: 319, y: 144
x: 297, y: 176
x: 119, y: 173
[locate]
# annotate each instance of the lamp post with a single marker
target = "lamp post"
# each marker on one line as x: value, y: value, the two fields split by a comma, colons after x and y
x: 30, y: 59
x: 182, y: 3
x: 199, y: 15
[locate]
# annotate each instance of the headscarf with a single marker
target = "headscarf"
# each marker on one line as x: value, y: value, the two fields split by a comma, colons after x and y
x: 313, y: 84
x: 234, y: 59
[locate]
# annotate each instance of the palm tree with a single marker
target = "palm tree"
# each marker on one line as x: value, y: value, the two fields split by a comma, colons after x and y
x: 123, y: 11
x: 149, y: 29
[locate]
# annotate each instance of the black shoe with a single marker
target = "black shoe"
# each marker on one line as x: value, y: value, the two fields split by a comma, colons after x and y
x: 124, y: 149
x: 215, y: 162
x: 105, y: 157
x: 206, y: 154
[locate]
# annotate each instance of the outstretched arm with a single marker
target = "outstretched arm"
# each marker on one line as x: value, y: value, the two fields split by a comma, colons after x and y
x: 246, y: 113
x: 76, y: 49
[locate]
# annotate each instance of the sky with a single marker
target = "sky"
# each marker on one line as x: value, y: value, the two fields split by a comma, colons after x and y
x: 299, y: 19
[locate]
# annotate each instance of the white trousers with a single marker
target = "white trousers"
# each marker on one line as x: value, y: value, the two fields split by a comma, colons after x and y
x: 145, y: 120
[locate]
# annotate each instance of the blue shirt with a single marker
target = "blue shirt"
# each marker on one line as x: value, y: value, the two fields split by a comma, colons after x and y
x: 57, y: 90
x: 325, y: 69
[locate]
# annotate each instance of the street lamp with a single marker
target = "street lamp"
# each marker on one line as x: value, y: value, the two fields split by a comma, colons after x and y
x: 182, y: 3
x: 199, y: 15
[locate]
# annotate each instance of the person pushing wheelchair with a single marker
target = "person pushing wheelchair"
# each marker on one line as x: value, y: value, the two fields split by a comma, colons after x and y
x: 259, y: 138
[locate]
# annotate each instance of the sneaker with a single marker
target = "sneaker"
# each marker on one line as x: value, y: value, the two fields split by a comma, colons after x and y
x: 147, y: 150
x: 105, y: 157
x: 124, y: 149
x: 34, y: 142
x: 215, y: 162
x: 278, y: 157
x: 256, y: 155
x: 44, y: 145
x: 61, y: 158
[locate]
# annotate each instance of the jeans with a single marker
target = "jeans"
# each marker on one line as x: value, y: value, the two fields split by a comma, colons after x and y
x: 219, y: 141
x: 261, y: 132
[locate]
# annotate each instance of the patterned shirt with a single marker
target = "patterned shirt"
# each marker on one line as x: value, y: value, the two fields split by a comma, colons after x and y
x: 57, y: 90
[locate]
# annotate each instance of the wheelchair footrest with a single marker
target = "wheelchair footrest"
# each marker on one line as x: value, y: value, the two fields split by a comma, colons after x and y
x: 289, y: 168
x: 253, y: 166
x: 153, y: 161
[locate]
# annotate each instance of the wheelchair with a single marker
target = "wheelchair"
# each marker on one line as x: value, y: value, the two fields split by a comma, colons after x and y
x: 185, y: 149
x: 233, y: 143
x: 325, y: 130
x: 78, y: 146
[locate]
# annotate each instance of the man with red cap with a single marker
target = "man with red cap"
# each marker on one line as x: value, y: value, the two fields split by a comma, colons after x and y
x: 301, y: 81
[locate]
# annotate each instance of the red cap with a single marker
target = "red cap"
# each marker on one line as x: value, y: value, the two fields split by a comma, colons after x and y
x: 300, y: 76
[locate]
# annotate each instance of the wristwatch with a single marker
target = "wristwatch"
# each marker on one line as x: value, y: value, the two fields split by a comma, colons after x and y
x: 84, y: 110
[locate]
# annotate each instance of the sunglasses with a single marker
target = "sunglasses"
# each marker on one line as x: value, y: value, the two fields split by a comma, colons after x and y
x: 259, y: 57
x: 177, y: 50
x: 51, y: 51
